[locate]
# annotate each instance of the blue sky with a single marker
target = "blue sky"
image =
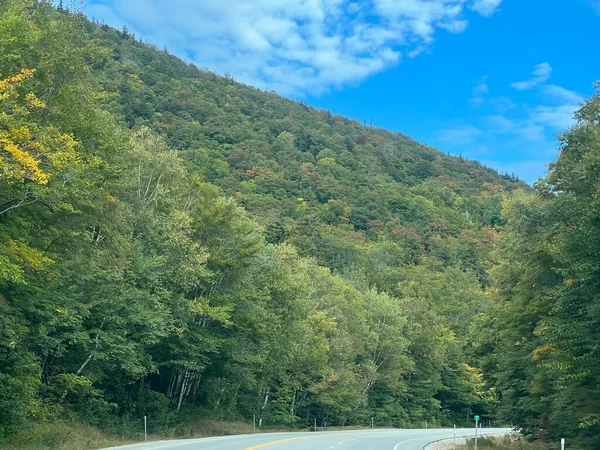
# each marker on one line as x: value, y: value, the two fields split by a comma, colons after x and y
x: 493, y: 80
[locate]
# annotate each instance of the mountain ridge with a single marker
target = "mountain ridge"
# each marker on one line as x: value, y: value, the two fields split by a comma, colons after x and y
x: 259, y: 147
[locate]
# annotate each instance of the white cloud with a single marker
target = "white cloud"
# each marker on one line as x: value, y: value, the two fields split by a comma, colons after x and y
x: 459, y: 135
x: 503, y: 104
x: 518, y: 137
x: 561, y: 94
x: 486, y: 7
x: 540, y: 75
x: 526, y: 130
x: 293, y: 46
x: 559, y: 114
x: 558, y: 117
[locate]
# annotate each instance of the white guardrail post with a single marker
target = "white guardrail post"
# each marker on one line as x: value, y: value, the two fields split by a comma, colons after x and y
x: 454, y: 440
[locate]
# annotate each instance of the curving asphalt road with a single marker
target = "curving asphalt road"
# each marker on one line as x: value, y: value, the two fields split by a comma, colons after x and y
x: 328, y: 440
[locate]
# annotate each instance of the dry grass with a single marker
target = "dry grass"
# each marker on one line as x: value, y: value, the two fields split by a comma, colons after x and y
x: 504, y: 443
x: 69, y: 436
x: 205, y: 428
x: 61, y: 436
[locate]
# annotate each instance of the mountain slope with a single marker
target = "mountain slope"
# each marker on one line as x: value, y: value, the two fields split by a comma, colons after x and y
x: 302, y: 172
x: 176, y: 244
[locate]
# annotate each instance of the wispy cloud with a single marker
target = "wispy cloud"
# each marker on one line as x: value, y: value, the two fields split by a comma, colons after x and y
x: 486, y: 7
x: 503, y: 104
x: 459, y: 135
x: 540, y: 75
x: 526, y: 130
x: 292, y: 46
x: 480, y: 89
x: 558, y: 109
x: 519, y: 137
x: 561, y: 94
x: 557, y: 117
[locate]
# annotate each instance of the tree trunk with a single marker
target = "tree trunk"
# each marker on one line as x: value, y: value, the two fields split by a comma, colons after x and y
x: 293, y: 403
x: 184, y: 388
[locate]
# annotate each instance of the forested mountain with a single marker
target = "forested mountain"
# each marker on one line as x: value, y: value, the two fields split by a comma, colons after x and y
x: 176, y: 244
x: 324, y: 183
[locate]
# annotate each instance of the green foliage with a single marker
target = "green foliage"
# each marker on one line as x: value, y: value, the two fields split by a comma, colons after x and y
x: 543, y: 326
x: 200, y: 247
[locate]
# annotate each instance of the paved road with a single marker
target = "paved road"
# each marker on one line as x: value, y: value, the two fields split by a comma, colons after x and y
x: 330, y: 440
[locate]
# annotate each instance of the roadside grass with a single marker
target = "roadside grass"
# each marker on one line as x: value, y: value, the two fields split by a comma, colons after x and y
x: 197, y: 428
x: 504, y: 443
x: 61, y: 436
x: 75, y: 436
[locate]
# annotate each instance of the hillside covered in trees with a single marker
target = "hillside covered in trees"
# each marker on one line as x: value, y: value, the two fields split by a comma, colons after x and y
x: 176, y: 244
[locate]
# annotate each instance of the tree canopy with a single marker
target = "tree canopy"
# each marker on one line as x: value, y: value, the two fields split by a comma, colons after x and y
x: 177, y: 244
x: 541, y: 347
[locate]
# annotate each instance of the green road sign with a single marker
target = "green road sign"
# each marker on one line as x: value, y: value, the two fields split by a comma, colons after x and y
x: 476, y: 418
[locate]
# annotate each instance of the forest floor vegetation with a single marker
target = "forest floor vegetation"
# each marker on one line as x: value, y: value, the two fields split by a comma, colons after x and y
x: 498, y: 443
x: 69, y: 436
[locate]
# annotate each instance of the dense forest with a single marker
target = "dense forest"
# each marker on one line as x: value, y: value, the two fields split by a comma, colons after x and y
x: 542, y: 329
x: 176, y: 244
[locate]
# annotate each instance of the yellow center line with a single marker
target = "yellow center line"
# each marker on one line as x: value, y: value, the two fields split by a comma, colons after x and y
x: 266, y: 444
x: 279, y: 441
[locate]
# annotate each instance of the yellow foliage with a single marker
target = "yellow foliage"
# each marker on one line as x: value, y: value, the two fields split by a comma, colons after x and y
x: 135, y: 78
x: 33, y: 101
x: 28, y: 151
x: 474, y: 373
x: 30, y: 256
x: 540, y: 351
x: 8, y: 85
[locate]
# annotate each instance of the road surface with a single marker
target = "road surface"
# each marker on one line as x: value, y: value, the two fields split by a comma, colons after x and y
x: 324, y: 440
